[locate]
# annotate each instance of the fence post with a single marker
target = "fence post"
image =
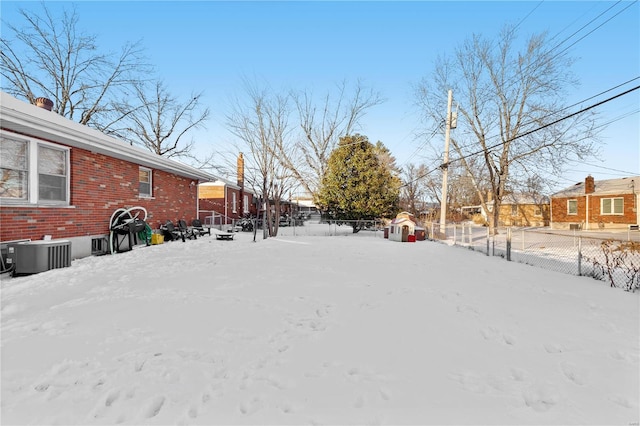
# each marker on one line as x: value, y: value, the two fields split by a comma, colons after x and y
x: 508, y: 244
x: 487, y: 241
x: 579, y: 256
x: 454, y: 233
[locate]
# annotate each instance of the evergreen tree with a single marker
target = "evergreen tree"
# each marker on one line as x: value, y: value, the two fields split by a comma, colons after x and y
x: 357, y: 186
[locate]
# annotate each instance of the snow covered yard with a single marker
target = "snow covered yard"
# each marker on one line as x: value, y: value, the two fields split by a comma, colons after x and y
x: 316, y: 330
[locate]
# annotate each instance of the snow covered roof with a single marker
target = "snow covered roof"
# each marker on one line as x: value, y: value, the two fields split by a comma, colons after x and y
x: 29, y: 120
x: 609, y: 186
x: 522, y: 199
x: 399, y: 220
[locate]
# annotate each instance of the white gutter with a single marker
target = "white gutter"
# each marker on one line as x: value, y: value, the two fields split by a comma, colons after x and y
x: 29, y: 120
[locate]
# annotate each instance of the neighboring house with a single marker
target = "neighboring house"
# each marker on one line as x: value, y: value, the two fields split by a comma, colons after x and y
x: 597, y: 204
x: 62, y: 179
x: 515, y: 210
x: 524, y: 210
x: 223, y: 202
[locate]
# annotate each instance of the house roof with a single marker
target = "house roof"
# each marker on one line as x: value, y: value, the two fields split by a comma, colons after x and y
x: 624, y: 185
x: 227, y: 183
x: 522, y: 199
x: 29, y: 120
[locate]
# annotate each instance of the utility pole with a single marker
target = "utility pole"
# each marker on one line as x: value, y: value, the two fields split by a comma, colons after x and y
x: 445, y: 165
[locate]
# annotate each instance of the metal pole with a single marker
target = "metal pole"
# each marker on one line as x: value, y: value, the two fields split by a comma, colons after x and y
x: 445, y: 164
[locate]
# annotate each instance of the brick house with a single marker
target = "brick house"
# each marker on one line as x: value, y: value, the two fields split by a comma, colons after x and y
x: 602, y: 204
x: 524, y: 210
x: 63, y: 179
x: 222, y: 202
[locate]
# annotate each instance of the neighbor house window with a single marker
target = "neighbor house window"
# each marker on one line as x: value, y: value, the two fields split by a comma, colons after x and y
x: 572, y: 206
x: 612, y: 206
x: 233, y: 202
x: 245, y: 204
x: 33, y: 172
x: 514, y: 210
x: 144, y: 178
x: 537, y: 211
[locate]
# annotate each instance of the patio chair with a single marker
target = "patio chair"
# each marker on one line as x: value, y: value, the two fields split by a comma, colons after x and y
x: 199, y: 229
x: 186, y: 231
x: 170, y: 232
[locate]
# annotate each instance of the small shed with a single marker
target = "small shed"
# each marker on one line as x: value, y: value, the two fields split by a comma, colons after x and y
x: 402, y: 229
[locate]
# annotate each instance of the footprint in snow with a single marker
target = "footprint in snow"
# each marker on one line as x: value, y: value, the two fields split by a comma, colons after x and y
x: 622, y: 401
x: 467, y: 309
x: 154, y: 406
x: 112, y: 396
x: 490, y: 333
x: 541, y: 397
x: 574, y: 373
x: 251, y: 406
x: 553, y: 348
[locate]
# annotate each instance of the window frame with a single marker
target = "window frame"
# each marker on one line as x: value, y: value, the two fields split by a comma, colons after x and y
x: 514, y: 210
x: 575, y: 203
x: 612, y: 206
x: 33, y: 172
x: 150, y: 183
x: 234, y: 202
x: 245, y: 204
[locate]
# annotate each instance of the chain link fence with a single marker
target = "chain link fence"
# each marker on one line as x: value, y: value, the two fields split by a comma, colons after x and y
x: 329, y: 228
x: 611, y: 257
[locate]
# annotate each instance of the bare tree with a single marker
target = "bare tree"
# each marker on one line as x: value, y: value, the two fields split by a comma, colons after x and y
x: 261, y: 123
x: 50, y: 58
x: 412, y: 192
x: 506, y: 98
x: 322, y: 124
x: 161, y: 121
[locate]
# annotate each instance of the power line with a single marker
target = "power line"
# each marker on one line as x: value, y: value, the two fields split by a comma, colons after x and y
x: 488, y: 149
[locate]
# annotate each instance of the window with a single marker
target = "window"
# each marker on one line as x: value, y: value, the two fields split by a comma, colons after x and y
x: 52, y: 174
x: 14, y: 164
x: 572, y: 206
x: 33, y: 172
x: 245, y: 204
x: 514, y: 210
x: 612, y: 206
x: 233, y: 202
x: 144, y: 178
x: 537, y: 211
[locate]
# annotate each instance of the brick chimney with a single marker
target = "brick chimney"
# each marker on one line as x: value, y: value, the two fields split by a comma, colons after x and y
x: 240, y: 171
x: 44, y: 103
x: 589, y: 185
x: 240, y: 179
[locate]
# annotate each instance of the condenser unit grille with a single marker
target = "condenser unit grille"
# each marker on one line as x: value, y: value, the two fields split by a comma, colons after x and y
x: 59, y: 256
x: 39, y: 256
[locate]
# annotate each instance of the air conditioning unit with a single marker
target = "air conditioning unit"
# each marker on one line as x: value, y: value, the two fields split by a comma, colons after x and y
x: 33, y: 257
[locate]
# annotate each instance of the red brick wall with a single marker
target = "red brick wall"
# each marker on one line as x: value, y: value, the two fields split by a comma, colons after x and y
x: 100, y: 185
x: 217, y: 205
x: 559, y: 210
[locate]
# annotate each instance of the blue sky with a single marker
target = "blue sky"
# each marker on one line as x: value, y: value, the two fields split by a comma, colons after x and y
x: 209, y: 46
